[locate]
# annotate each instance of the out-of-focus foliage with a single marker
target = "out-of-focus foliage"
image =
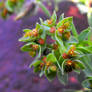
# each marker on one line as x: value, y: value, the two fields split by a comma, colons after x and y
x: 10, y: 6
x: 21, y: 8
x: 85, y: 7
x: 68, y: 52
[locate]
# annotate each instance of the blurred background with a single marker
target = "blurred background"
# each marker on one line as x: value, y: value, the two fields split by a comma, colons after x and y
x: 15, y: 74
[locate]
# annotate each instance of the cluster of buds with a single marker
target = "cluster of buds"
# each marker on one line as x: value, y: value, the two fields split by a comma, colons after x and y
x: 34, y: 47
x: 69, y: 66
x: 71, y: 53
x: 47, y: 64
x: 34, y: 33
x: 61, y: 30
x: 55, y: 46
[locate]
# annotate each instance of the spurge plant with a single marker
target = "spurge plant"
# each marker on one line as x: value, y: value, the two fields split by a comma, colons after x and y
x: 68, y: 51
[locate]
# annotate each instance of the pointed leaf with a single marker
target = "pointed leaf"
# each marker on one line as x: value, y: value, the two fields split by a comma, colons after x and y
x: 84, y: 34
x: 62, y: 78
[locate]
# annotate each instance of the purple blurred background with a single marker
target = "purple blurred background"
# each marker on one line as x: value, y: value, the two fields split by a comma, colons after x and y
x: 15, y: 76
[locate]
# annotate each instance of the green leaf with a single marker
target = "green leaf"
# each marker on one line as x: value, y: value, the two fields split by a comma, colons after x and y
x: 9, y: 5
x: 72, y: 40
x: 41, y: 73
x: 60, y: 43
x: 27, y: 47
x: 56, y: 53
x: 20, y: 4
x: 87, y: 61
x: 38, y: 26
x: 74, y: 31
x: 84, y: 49
x: 68, y: 19
x: 45, y: 28
x: 37, y: 57
x: 51, y: 57
x: 90, y: 37
x: 63, y: 65
x: 35, y: 64
x: 61, y: 17
x: 49, y: 74
x: 54, y: 17
x: 27, y: 39
x: 62, y: 78
x: 27, y: 30
x: 89, y: 16
x: 84, y: 34
x: 1, y: 4
x: 41, y: 20
x: 89, y: 77
x: 87, y: 83
x: 79, y: 64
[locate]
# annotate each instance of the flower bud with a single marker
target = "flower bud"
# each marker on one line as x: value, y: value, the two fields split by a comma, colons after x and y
x: 50, y: 21
x: 66, y: 25
x: 60, y: 30
x: 53, y: 68
x: 73, y: 47
x: 44, y: 59
x: 41, y: 41
x: 69, y: 66
x: 32, y: 53
x: 55, y: 46
x: 5, y: 12
x: 41, y: 65
x: 35, y: 32
x: 28, y: 34
x: 35, y: 47
x: 48, y: 64
x: 65, y: 56
x: 69, y: 62
x: 67, y: 35
x: 52, y: 30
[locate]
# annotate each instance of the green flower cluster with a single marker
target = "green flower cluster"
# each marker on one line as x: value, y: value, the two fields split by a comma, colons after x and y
x: 68, y: 52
